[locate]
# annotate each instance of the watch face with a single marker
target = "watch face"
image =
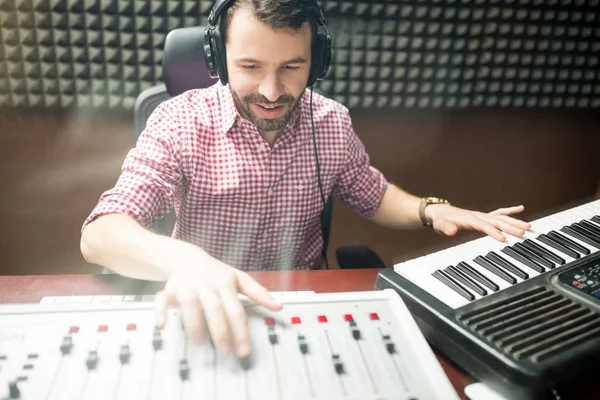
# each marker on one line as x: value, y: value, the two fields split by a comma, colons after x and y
x: 435, y: 200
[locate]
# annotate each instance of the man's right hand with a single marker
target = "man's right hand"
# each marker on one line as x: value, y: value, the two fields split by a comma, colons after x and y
x: 205, y: 290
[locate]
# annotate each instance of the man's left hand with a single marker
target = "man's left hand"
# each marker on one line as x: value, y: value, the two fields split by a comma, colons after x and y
x: 448, y: 220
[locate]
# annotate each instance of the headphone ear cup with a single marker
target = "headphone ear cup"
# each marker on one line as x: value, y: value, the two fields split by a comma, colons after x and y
x: 219, y: 55
x: 209, y: 58
x: 318, y: 57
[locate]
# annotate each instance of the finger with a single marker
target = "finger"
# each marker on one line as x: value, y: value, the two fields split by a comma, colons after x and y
x: 491, y: 230
x: 504, y: 226
x: 256, y: 292
x: 162, y: 300
x: 508, y: 210
x: 447, y: 228
x: 480, y: 224
x: 191, y: 315
x: 237, y: 320
x: 215, y: 319
x: 525, y: 226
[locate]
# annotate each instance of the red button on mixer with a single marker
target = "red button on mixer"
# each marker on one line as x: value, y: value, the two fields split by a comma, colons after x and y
x: 131, y: 327
x: 348, y: 317
x: 270, y: 321
x: 373, y: 316
x: 322, y: 318
x: 102, y: 328
x: 296, y: 320
x: 74, y: 329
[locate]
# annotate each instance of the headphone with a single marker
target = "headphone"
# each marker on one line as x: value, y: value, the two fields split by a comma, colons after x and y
x: 216, y: 57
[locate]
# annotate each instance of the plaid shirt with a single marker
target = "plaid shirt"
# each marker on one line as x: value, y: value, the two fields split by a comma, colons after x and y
x: 246, y: 204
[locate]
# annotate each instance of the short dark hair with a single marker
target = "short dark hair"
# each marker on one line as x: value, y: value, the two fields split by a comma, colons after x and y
x: 275, y: 13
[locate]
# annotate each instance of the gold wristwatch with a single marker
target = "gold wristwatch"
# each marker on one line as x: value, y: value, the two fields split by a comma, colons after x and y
x: 424, y: 203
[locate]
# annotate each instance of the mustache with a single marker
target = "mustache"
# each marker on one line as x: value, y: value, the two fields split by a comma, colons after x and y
x: 258, y: 98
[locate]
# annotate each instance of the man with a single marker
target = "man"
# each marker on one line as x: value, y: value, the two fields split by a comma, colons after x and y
x: 237, y: 163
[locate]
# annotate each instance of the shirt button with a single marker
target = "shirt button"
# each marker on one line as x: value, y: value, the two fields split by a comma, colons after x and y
x: 265, y: 235
x: 270, y: 192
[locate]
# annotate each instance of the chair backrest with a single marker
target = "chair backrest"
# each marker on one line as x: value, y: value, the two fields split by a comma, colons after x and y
x: 183, y: 69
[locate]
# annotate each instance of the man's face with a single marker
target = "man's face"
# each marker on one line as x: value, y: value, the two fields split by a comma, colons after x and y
x: 268, y: 69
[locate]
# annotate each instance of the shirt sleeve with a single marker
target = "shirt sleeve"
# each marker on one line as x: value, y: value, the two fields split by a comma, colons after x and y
x: 151, y: 174
x: 359, y: 185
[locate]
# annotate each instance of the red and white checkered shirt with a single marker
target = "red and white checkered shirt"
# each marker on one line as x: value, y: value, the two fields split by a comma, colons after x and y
x: 249, y: 205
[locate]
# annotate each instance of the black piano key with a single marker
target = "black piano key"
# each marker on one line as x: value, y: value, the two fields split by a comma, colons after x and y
x: 565, y: 241
x: 495, y: 270
x: 557, y: 245
x: 534, y: 257
x: 465, y: 280
x: 519, y: 255
x: 452, y: 284
x: 590, y: 226
x: 568, y: 231
x: 507, y: 265
x: 473, y: 273
x: 581, y: 234
x: 596, y: 218
x: 587, y: 231
x: 542, y: 251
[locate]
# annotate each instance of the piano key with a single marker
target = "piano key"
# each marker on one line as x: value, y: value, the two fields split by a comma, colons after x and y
x: 495, y: 270
x: 542, y: 251
x: 576, y: 218
x: 452, y: 284
x: 517, y: 254
x: 575, y: 232
x: 570, y: 243
x: 534, y: 257
x: 558, y: 246
x: 421, y: 275
x: 596, y: 218
x: 465, y: 280
x: 470, y: 250
x: 591, y: 226
x: 507, y: 265
x: 587, y: 231
x: 470, y: 271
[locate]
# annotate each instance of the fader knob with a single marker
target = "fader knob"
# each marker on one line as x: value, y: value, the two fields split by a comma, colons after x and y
x: 125, y: 354
x: 13, y: 390
x: 66, y: 345
x: 92, y: 359
x: 157, y: 340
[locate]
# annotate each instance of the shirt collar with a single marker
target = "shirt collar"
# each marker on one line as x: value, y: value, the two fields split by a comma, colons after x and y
x: 230, y: 113
x: 228, y: 109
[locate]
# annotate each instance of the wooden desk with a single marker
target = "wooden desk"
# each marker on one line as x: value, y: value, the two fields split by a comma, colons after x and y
x: 27, y: 289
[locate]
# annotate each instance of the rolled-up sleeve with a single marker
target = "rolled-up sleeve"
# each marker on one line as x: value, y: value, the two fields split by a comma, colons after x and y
x: 151, y: 175
x: 359, y: 185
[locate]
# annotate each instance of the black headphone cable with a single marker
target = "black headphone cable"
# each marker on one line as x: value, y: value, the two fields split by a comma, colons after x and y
x: 314, y: 135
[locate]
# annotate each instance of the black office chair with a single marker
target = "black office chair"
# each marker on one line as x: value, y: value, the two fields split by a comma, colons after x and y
x: 184, y: 69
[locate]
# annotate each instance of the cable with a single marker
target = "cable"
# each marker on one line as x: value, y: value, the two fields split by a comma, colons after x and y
x: 553, y: 389
x: 314, y: 135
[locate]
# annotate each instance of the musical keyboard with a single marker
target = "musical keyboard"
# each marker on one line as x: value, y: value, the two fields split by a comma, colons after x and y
x: 466, y: 273
x: 523, y: 316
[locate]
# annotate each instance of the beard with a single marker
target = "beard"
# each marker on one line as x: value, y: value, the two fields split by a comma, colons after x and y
x: 264, y: 124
